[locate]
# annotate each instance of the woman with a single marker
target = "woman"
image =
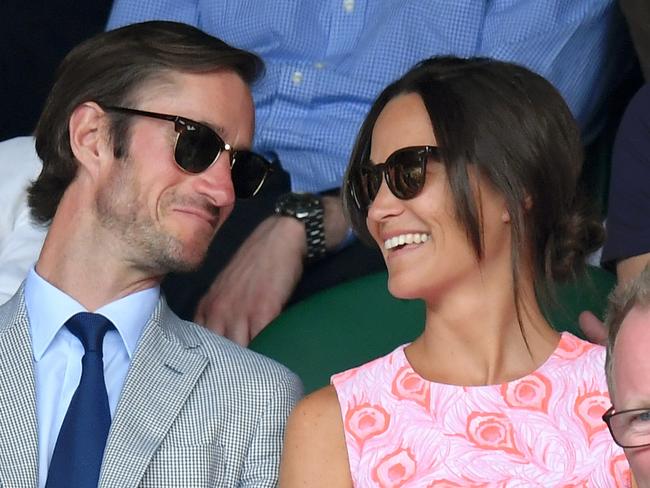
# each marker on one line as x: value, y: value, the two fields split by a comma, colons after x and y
x: 464, y: 173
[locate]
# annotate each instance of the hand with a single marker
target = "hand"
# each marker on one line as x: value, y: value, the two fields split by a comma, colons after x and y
x: 252, y: 290
x: 593, y: 328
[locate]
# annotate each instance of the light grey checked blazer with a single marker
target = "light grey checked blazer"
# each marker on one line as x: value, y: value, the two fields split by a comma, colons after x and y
x: 196, y: 410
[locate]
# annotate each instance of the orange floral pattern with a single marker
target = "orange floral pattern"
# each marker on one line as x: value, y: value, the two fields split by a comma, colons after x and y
x: 395, y: 469
x: 491, y: 431
x: 531, y: 392
x: 571, y: 347
x: 365, y: 421
x: 541, y: 430
x: 589, y: 408
x: 619, y: 469
x: 408, y: 385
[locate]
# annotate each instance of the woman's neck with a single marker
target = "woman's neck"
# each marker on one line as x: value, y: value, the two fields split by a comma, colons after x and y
x: 476, y: 335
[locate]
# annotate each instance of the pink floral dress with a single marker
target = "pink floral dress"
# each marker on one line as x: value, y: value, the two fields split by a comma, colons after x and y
x: 542, y: 430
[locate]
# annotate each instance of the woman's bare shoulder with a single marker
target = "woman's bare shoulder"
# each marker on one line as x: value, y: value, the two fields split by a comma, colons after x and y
x: 315, y: 453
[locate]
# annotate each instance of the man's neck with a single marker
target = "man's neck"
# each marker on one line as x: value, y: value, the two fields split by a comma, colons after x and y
x: 80, y: 261
x: 92, y: 286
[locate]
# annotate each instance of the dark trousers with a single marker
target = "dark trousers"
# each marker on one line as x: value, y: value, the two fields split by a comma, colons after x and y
x: 184, y: 290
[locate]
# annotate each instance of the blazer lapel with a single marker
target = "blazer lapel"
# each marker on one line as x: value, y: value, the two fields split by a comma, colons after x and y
x: 18, y: 435
x: 161, y: 377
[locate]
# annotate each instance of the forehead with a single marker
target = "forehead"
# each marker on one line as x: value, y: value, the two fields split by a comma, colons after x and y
x: 403, y: 122
x: 632, y: 361
x: 219, y: 99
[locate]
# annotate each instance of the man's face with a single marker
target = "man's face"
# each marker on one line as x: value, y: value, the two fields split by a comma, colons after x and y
x: 632, y: 380
x: 162, y: 218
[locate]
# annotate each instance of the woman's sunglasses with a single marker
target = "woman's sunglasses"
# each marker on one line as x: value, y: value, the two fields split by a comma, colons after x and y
x: 404, y: 172
x: 198, y: 147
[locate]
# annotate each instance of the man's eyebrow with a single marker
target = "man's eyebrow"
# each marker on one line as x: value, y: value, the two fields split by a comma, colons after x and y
x: 221, y: 132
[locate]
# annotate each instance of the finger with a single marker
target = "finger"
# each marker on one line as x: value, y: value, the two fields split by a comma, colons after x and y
x: 238, y: 333
x: 263, y: 318
x: 209, y: 317
x: 593, y: 328
x: 217, y: 324
x: 199, y: 315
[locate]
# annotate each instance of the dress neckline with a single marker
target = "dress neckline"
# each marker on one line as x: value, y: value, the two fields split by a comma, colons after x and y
x: 563, y: 344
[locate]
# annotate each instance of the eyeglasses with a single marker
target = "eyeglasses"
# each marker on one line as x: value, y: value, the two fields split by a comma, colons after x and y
x: 404, y: 172
x: 629, y: 428
x: 198, y: 147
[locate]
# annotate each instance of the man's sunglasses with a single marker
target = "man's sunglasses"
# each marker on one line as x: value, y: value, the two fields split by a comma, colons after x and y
x: 198, y: 147
x: 404, y: 172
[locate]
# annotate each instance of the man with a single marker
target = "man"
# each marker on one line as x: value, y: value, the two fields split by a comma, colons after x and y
x: 137, y: 139
x: 627, y: 246
x: 628, y: 369
x: 326, y: 61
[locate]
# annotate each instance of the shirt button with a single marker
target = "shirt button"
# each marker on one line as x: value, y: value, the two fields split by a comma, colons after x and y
x: 319, y: 65
x: 296, y: 77
x: 348, y: 6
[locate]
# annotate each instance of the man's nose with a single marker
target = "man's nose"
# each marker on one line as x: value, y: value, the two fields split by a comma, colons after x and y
x: 216, y: 182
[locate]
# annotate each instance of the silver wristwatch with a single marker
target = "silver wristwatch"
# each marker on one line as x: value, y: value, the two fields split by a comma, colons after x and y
x: 308, y: 208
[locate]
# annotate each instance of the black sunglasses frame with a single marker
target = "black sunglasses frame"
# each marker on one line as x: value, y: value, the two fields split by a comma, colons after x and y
x: 607, y: 416
x: 182, y: 125
x: 386, y: 170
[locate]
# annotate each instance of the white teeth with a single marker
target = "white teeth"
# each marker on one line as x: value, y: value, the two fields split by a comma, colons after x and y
x: 402, y: 239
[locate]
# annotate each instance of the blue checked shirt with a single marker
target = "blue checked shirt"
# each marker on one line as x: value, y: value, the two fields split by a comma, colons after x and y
x: 326, y: 60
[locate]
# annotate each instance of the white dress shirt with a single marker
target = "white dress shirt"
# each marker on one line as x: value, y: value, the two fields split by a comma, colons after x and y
x: 20, y: 238
x: 58, y: 353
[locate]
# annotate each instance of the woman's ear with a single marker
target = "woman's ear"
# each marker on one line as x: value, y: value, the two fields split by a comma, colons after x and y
x: 528, y: 204
x: 88, y: 135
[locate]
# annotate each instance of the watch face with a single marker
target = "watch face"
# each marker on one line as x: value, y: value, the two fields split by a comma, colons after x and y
x: 308, y: 208
x: 301, y: 199
x: 299, y: 205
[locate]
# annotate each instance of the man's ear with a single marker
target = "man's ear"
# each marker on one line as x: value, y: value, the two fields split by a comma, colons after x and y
x: 89, y: 135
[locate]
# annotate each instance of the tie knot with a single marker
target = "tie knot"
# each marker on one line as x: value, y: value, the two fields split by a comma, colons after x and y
x: 90, y: 329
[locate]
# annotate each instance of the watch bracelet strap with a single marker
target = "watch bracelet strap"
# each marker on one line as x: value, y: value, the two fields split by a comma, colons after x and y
x: 315, y: 234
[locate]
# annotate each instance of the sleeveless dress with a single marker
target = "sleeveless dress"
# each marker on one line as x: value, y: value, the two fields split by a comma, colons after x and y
x: 543, y: 430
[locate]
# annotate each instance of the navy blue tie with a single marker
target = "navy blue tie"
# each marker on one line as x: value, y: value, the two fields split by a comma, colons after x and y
x: 77, y: 457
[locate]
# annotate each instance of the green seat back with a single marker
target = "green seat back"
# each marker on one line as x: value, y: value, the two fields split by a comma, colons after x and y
x: 588, y: 293
x: 357, y: 321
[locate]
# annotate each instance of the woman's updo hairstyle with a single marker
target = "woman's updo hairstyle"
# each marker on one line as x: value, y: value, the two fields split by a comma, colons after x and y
x: 515, y: 128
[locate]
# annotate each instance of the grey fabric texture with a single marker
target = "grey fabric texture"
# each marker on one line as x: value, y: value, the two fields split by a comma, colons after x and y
x: 196, y: 410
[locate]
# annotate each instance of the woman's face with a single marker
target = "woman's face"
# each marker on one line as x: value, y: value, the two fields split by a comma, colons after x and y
x: 436, y: 255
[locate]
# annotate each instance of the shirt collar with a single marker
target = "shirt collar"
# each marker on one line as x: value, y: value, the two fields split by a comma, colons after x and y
x: 48, y: 308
